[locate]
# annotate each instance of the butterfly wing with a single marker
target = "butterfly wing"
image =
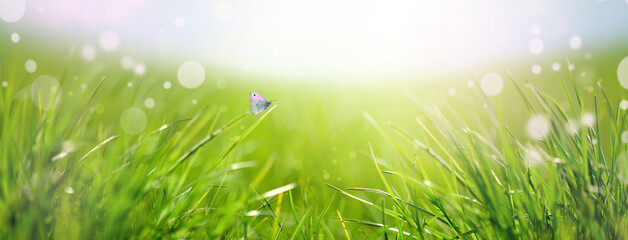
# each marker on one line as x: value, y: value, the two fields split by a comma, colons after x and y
x: 258, y: 106
x: 256, y: 96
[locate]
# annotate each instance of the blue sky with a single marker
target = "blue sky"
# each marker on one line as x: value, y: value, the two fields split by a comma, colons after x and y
x: 331, y: 38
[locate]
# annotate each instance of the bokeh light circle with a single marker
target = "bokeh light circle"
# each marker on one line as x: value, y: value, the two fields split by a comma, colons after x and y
x: 588, y: 119
x: 575, y: 42
x: 30, y: 66
x: 536, y: 69
x: 492, y: 84
x: 167, y: 85
x: 127, y: 62
x: 15, y: 37
x: 451, y: 92
x: 624, y: 137
x: 88, y: 52
x: 191, y: 74
x: 12, y: 10
x: 538, y: 127
x: 45, y: 92
x: 623, y: 104
x: 133, y: 120
x: 109, y: 41
x: 536, y: 46
x: 139, y: 69
x: 149, y: 103
x: 622, y: 73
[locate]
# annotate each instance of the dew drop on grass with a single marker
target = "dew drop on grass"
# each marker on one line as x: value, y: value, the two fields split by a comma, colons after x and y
x: 492, y: 84
x: 624, y: 137
x: 12, y: 11
x: 15, y: 37
x: 538, y: 127
x: 556, y: 67
x: 133, y: 120
x: 127, y: 62
x: 451, y: 92
x: 30, y: 65
x: 69, y: 190
x: 88, y: 52
x: 109, y: 41
x: 139, y: 69
x: 149, y: 103
x: 622, y: 73
x: 575, y: 42
x: 191, y: 74
x: 536, y: 46
x: 167, y: 85
x: 45, y: 92
x: 588, y: 119
x: 623, y: 105
x: 536, y: 69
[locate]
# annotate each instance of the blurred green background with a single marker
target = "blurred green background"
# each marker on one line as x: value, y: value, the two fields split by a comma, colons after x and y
x: 54, y: 185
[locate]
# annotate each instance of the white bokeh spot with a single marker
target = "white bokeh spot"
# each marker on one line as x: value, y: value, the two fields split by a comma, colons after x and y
x: 451, y: 92
x: 588, y: 119
x: 538, y: 127
x: 492, y: 84
x: 88, y: 52
x: 127, y: 62
x: 109, y: 41
x: 536, y: 46
x: 133, y: 120
x: 12, y: 10
x: 149, y: 103
x: 623, y: 104
x: 536, y: 69
x: 30, y: 66
x: 622, y: 73
x: 139, y: 69
x: 191, y: 74
x: 46, y: 92
x: 15, y: 37
x: 575, y: 42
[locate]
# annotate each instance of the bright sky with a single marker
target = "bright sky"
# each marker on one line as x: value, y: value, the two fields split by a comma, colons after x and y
x: 329, y: 37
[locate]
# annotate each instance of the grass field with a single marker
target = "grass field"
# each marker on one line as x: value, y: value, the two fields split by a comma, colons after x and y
x: 86, y: 155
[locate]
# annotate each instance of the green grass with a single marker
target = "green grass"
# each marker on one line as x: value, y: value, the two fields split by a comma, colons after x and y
x: 368, y: 161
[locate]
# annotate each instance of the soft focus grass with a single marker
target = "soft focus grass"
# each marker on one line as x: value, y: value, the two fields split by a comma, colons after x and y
x: 331, y: 160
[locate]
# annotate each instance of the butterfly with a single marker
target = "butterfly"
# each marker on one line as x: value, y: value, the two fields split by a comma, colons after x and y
x: 258, y: 103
